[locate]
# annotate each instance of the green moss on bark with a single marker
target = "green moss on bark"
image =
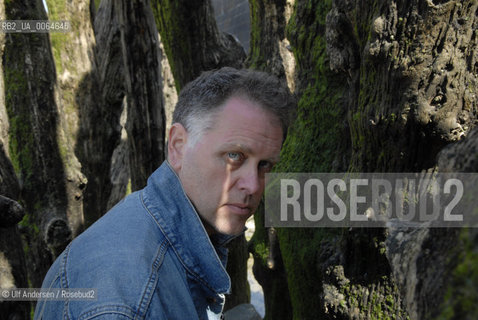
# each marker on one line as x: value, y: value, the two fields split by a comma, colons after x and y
x: 300, y: 250
x: 380, y: 304
x: 168, y: 16
x: 21, y: 140
x: 461, y: 295
x: 313, y: 145
x: 57, y: 11
x: 319, y: 141
x: 256, y: 58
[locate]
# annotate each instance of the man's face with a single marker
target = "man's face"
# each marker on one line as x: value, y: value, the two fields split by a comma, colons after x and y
x: 223, y: 173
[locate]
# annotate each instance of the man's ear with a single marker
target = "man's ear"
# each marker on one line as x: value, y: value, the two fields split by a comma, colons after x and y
x: 176, y: 145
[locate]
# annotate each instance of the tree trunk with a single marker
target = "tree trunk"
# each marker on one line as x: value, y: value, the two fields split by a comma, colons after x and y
x: 192, y: 40
x: 103, y: 94
x: 35, y: 146
x: 13, y: 272
x: 382, y: 86
x: 454, y: 283
x: 73, y: 62
x: 270, y: 51
x: 237, y: 270
x: 146, y: 118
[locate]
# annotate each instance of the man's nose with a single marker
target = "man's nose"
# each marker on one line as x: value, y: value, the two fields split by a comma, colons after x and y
x: 249, y: 180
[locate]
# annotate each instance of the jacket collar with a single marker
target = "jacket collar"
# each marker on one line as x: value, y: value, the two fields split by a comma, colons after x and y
x: 204, y: 257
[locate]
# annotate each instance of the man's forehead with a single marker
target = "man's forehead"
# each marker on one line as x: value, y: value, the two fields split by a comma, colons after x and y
x: 243, y: 106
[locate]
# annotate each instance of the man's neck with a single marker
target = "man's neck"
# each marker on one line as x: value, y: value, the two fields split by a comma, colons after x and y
x: 209, y: 229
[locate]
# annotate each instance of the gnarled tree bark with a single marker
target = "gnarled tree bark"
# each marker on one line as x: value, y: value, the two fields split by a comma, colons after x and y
x: 146, y: 118
x: 35, y: 149
x: 382, y: 86
x: 192, y: 40
x: 99, y: 130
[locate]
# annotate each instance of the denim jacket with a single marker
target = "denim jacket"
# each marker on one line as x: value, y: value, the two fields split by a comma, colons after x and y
x: 149, y: 258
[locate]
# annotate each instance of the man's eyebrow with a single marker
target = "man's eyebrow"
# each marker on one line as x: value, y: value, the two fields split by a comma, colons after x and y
x: 246, y: 149
x: 236, y: 146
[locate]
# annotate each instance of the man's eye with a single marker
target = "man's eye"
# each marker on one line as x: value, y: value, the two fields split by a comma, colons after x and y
x: 265, y: 166
x: 234, y: 156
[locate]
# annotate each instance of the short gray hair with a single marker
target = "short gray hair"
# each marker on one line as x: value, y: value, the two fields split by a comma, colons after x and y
x: 201, y: 98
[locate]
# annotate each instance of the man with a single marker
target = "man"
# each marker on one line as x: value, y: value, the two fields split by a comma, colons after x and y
x: 159, y: 253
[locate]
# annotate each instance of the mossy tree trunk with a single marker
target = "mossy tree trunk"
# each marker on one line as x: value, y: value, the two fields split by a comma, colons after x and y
x: 13, y: 270
x: 382, y: 86
x: 35, y: 148
x: 458, y: 280
x: 270, y: 51
x: 64, y: 114
x: 411, y: 65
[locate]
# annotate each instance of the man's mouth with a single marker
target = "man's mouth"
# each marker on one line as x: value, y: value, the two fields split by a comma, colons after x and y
x: 239, y: 208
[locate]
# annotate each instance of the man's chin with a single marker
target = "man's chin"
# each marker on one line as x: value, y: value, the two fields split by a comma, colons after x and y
x: 230, y: 230
x: 226, y: 228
